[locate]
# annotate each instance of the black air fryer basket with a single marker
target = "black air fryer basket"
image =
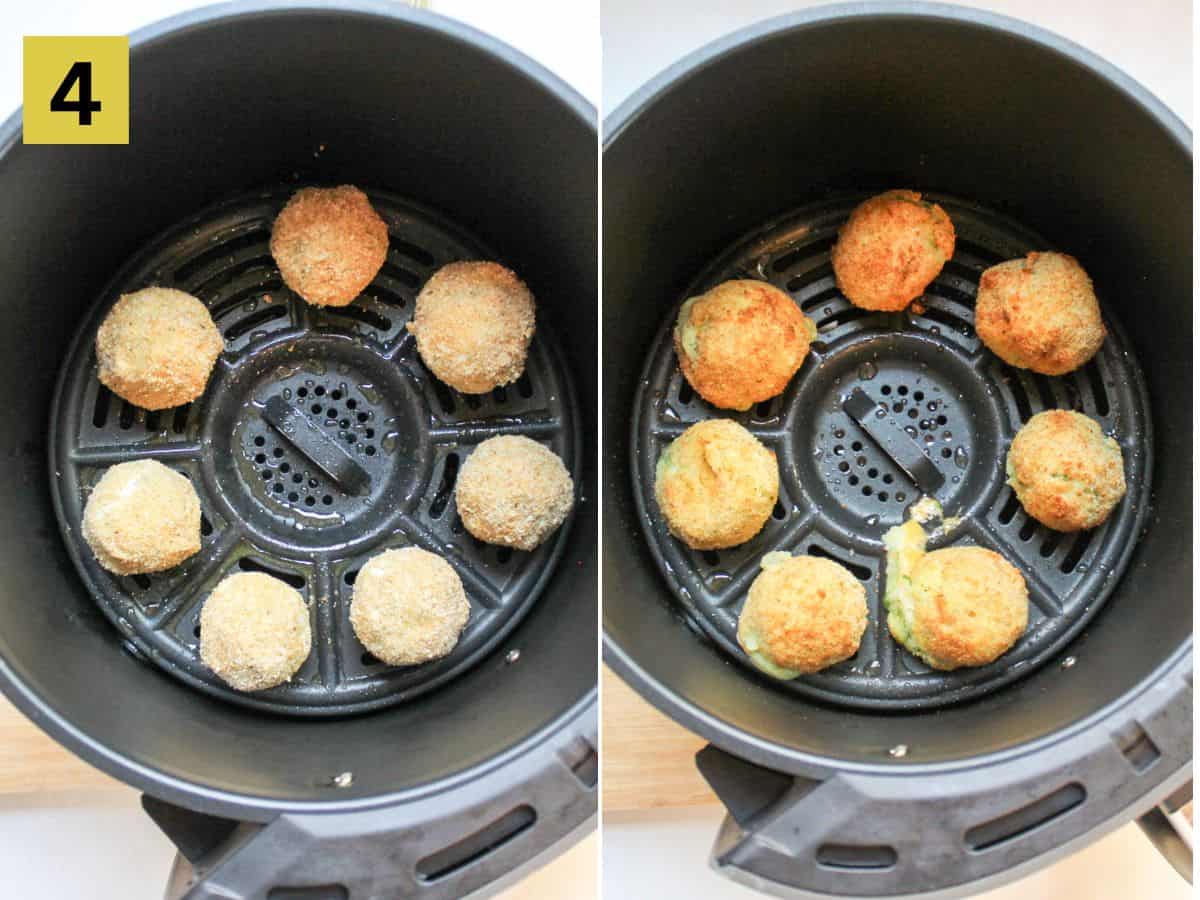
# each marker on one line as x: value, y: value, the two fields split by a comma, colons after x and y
x: 879, y: 776
x: 354, y: 779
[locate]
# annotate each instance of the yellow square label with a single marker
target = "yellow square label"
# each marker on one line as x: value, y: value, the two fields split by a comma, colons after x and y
x: 76, y: 90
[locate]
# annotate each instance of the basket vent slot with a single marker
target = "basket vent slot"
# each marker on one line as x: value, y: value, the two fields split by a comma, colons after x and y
x: 1137, y: 747
x: 478, y: 845
x: 252, y: 321
x: 449, y: 477
x: 580, y: 757
x: 851, y: 856
x: 249, y: 564
x: 316, y: 892
x: 1099, y: 393
x: 862, y: 573
x: 1026, y: 819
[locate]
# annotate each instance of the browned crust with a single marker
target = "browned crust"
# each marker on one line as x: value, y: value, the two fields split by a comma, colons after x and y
x: 1040, y: 313
x: 329, y: 243
x: 890, y: 249
x: 751, y: 338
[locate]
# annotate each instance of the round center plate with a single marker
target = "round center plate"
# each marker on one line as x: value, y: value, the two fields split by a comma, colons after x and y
x: 927, y: 375
x: 320, y: 441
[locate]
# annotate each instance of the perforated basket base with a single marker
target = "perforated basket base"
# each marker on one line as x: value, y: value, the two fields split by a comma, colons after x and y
x: 929, y: 375
x: 354, y: 372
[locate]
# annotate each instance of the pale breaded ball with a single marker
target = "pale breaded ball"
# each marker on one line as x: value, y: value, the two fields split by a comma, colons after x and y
x: 473, y: 324
x: 409, y: 606
x: 1067, y: 473
x: 803, y: 614
x: 157, y: 347
x: 254, y: 631
x: 741, y: 342
x: 716, y: 485
x: 142, y: 517
x: 960, y: 606
x: 514, y: 492
x: 892, y: 247
x: 329, y: 243
x: 1039, y: 313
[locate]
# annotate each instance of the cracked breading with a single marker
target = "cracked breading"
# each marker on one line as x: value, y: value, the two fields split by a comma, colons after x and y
x: 1067, y: 473
x: 254, y: 631
x: 891, y: 248
x: 514, y: 492
x: 954, y: 607
x: 803, y: 614
x: 157, y: 347
x: 1039, y: 313
x: 142, y: 517
x: 329, y: 243
x: 473, y: 324
x: 741, y: 342
x: 716, y: 485
x: 409, y: 606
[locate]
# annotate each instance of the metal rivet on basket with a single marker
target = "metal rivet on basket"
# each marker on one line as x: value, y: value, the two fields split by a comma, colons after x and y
x: 899, y: 751
x: 512, y: 656
x: 344, y: 780
x: 1068, y: 662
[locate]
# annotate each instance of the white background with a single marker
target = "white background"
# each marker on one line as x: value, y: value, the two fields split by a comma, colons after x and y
x: 664, y: 853
x: 98, y: 845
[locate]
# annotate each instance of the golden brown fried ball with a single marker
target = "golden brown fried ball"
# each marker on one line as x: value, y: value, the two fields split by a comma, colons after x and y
x: 329, y: 243
x: 514, y: 492
x: 254, y: 631
x: 473, y: 324
x: 803, y: 613
x: 409, y: 606
x: 157, y: 347
x: 716, y: 485
x: 1067, y: 473
x: 142, y: 517
x: 741, y: 342
x: 1039, y: 313
x: 892, y: 247
x: 960, y: 606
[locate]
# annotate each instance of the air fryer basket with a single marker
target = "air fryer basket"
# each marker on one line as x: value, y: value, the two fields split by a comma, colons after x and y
x: 879, y: 777
x: 435, y: 781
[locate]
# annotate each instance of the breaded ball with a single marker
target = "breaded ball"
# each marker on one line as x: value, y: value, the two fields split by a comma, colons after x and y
x: 1067, y: 473
x: 329, y: 243
x: 473, y: 324
x: 741, y: 342
x: 716, y: 485
x: 157, y: 347
x: 960, y: 606
x: 142, y: 517
x: 409, y: 606
x: 891, y: 248
x: 803, y: 613
x: 1039, y: 313
x: 514, y: 492
x: 254, y: 631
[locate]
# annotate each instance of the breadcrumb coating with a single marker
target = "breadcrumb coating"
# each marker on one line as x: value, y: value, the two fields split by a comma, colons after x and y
x: 716, y: 485
x: 473, y: 324
x: 803, y: 614
x: 1067, y: 473
x: 409, y: 606
x: 157, y: 347
x: 514, y: 492
x: 1039, y: 313
x: 741, y: 342
x: 142, y: 517
x: 329, y: 243
x: 891, y: 248
x: 254, y: 631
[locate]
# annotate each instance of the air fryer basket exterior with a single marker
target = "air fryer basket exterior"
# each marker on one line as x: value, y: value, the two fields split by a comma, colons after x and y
x: 874, y: 96
x: 245, y: 96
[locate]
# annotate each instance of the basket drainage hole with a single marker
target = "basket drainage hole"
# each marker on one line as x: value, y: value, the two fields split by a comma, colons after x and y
x: 883, y: 496
x: 900, y: 496
x: 285, y: 468
x: 350, y: 576
x: 310, y: 500
x: 913, y: 413
x: 369, y: 659
x: 260, y: 458
x: 297, y: 478
x: 867, y: 490
x: 259, y: 441
x: 861, y: 460
x: 856, y: 446
x: 327, y: 500
x: 303, y: 392
x: 711, y: 557
x: 872, y: 473
x: 947, y: 453
x: 293, y: 496
x: 336, y: 395
x: 344, y: 423
x: 918, y: 396
x: 779, y: 512
x: 196, y: 630
x: 887, y: 479
x: 362, y: 416
x: 370, y: 432
x: 853, y: 480
x: 277, y: 452
x: 886, y: 389
x: 941, y: 420
x: 370, y: 451
x: 902, y: 390
x: 277, y: 487
x: 267, y: 474
x: 843, y: 467
x: 316, y: 408
x: 351, y: 403
x: 319, y: 391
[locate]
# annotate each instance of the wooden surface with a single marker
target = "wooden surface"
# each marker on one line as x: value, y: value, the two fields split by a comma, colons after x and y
x: 646, y: 759
x: 31, y: 761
